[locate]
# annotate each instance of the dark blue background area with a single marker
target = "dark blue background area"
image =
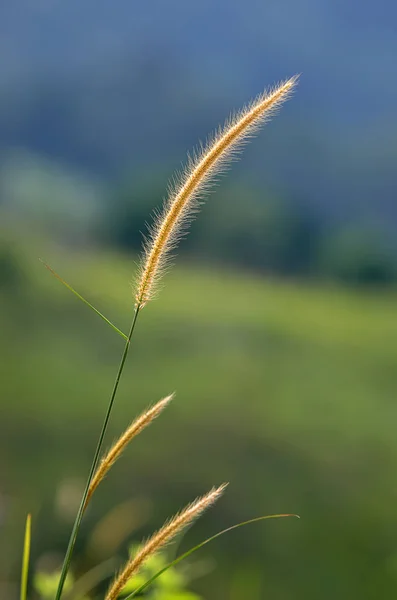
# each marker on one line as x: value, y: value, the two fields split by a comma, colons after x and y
x: 115, y: 86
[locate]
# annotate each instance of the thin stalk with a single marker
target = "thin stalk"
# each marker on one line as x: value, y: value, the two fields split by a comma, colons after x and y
x: 79, y: 516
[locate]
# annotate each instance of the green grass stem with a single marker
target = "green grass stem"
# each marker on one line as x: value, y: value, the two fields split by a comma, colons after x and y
x: 79, y: 516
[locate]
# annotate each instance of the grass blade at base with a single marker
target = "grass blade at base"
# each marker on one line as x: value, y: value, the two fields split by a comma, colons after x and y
x: 25, y: 559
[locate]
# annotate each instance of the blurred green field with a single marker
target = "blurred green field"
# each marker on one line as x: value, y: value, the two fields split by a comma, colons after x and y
x: 288, y: 391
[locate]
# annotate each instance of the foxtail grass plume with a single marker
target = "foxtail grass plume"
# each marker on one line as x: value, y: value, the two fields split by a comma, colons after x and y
x: 184, y: 195
x: 162, y: 537
x: 138, y: 425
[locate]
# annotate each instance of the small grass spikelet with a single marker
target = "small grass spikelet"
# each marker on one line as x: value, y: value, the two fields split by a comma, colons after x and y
x: 162, y: 537
x: 185, y: 194
x: 138, y: 425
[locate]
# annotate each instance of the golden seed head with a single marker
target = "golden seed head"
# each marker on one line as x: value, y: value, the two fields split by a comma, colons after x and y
x: 184, y: 196
x: 162, y: 537
x: 138, y: 425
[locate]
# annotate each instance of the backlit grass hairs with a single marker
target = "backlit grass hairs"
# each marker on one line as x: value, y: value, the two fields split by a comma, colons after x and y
x: 162, y: 537
x: 184, y: 195
x: 138, y: 425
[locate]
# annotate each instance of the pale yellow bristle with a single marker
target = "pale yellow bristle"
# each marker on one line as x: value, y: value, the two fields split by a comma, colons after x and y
x: 162, y: 537
x: 200, y: 170
x: 138, y: 425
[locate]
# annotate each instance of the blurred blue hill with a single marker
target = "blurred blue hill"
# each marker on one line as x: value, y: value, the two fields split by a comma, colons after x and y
x: 109, y: 86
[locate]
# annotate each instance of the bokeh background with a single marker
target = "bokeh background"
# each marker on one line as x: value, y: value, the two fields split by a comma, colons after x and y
x: 277, y: 326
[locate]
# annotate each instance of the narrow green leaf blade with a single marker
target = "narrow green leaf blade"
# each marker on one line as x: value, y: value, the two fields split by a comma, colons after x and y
x: 25, y: 559
x: 83, y: 300
x: 195, y: 548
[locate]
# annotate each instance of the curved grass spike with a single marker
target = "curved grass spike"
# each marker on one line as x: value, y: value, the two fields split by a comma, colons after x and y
x: 184, y: 196
x: 25, y: 559
x: 138, y: 425
x: 164, y: 235
x: 149, y: 582
x: 163, y: 537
